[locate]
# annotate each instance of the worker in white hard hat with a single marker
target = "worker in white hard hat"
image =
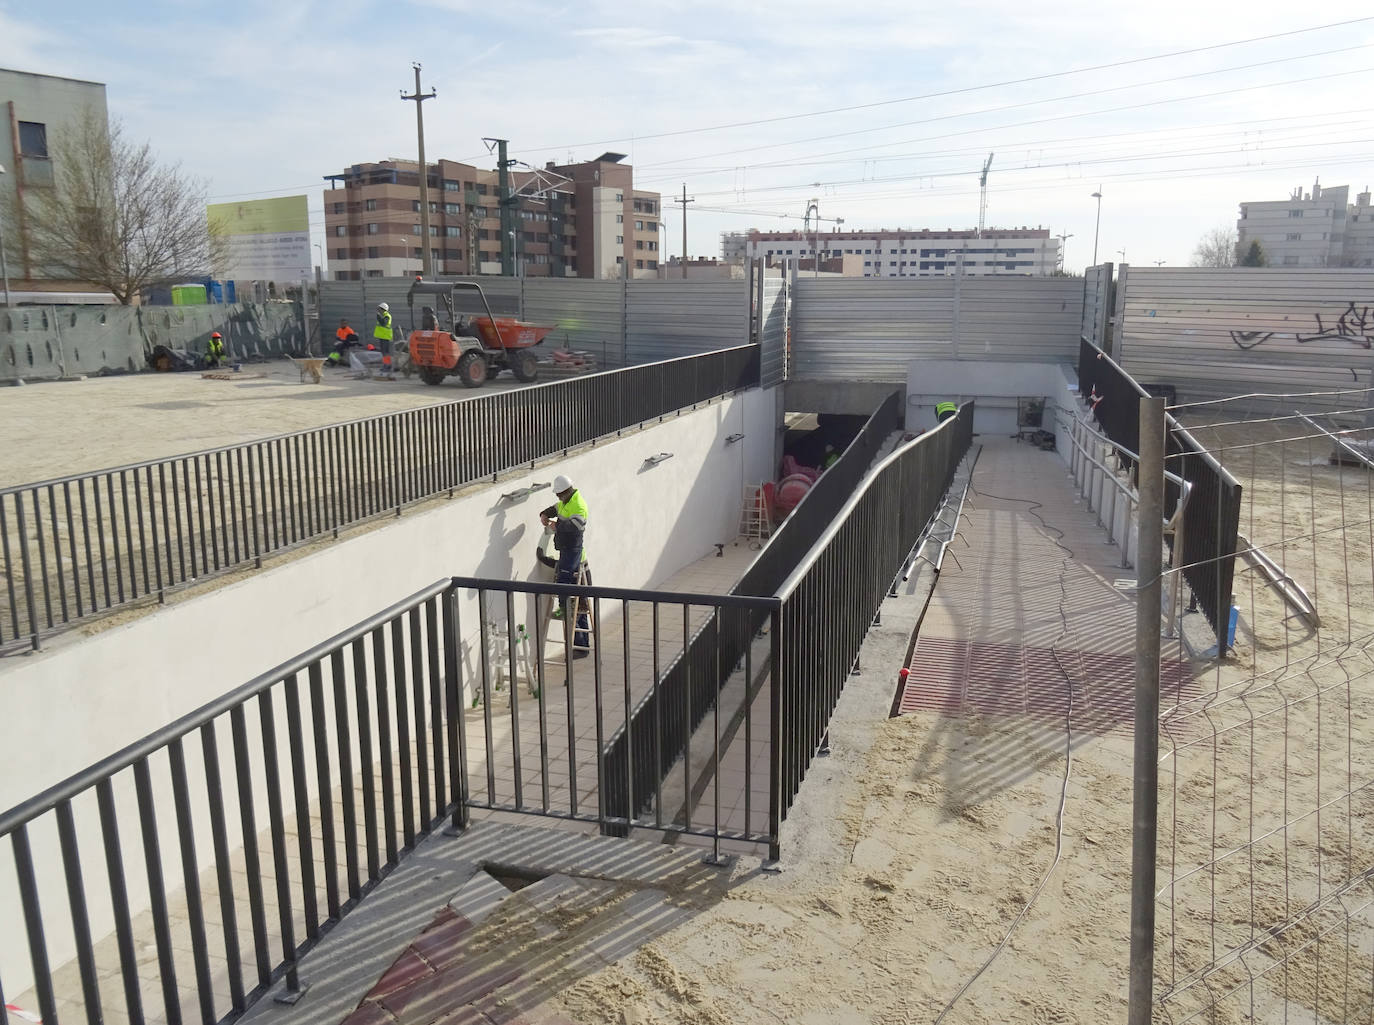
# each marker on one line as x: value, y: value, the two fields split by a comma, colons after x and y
x: 567, y: 518
x: 382, y: 333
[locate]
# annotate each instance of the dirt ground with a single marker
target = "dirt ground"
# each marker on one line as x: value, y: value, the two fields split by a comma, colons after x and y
x: 1266, y: 831
x: 77, y: 426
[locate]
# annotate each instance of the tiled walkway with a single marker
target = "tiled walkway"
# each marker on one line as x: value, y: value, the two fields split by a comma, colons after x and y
x: 1027, y: 617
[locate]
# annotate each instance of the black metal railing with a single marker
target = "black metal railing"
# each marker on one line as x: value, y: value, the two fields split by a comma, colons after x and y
x: 692, y: 681
x: 831, y: 598
x: 358, y: 735
x: 1211, y: 519
x: 80, y: 546
x: 539, y: 742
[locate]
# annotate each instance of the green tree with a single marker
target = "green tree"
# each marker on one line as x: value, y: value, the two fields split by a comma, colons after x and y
x: 116, y: 217
x: 1254, y: 256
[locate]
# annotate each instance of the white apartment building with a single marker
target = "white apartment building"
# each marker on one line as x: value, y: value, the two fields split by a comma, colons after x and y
x: 1320, y: 228
x: 919, y: 253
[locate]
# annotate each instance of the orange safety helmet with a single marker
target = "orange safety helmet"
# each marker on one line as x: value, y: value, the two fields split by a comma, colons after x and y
x: 214, y: 334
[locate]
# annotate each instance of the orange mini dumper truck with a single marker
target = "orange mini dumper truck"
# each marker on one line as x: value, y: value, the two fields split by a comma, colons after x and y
x: 474, y: 349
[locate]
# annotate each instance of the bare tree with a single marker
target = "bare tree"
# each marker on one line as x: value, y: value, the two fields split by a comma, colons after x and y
x: 1217, y: 248
x: 116, y: 217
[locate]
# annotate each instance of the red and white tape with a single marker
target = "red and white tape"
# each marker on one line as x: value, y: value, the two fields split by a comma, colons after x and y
x: 19, y: 1012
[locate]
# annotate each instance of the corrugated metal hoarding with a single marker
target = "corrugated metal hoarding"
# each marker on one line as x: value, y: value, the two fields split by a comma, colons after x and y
x: 773, y: 331
x: 668, y: 319
x: 589, y: 315
x: 871, y: 328
x: 1213, y: 333
x: 1097, y: 300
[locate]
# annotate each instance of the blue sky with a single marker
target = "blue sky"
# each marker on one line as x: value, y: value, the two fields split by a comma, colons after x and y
x: 264, y: 99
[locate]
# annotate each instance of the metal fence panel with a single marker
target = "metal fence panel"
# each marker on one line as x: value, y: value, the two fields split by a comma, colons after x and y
x: 357, y: 301
x: 872, y: 328
x: 773, y: 333
x: 1097, y: 303
x: 590, y: 314
x: 668, y: 319
x: 1213, y: 333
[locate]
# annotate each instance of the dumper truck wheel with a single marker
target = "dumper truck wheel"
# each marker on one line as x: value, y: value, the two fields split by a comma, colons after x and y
x: 431, y: 375
x: 472, y: 370
x: 525, y: 367
x: 493, y: 372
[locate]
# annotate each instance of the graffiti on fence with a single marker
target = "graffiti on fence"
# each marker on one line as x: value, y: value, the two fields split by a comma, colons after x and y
x: 1355, y: 325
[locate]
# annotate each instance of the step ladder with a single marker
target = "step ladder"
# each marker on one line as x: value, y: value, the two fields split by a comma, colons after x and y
x: 578, y: 606
x: 755, y: 522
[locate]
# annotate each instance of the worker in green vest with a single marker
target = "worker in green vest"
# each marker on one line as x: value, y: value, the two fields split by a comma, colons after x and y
x: 568, y: 518
x: 382, y: 333
x: 945, y: 410
x: 214, y: 355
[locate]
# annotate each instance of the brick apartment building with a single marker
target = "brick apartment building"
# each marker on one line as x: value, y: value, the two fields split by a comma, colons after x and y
x: 599, y: 226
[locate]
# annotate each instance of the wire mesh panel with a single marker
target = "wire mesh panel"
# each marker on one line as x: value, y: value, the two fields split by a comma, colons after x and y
x: 1265, y: 883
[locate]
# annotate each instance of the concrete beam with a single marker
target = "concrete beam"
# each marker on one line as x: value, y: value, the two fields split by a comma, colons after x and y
x: 854, y: 398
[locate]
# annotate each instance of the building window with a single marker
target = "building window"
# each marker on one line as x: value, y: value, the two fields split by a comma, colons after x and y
x: 639, y: 264
x: 1290, y: 261
x: 414, y: 206
x: 373, y: 252
x: 639, y: 225
x: 619, y: 218
x: 452, y: 231
x: 374, y: 274
x: 639, y: 243
x: 338, y: 208
x: 653, y: 265
x: 341, y: 254
x: 450, y: 185
x: 453, y: 254
x: 1294, y: 236
x: 371, y: 204
x: 372, y: 229
x: 415, y: 229
x: 653, y: 246
x: 433, y: 230
x: 620, y: 240
x: 33, y: 139
x: 620, y: 197
x: 452, y: 208
x: 340, y: 230
x: 1294, y: 213
x: 620, y: 259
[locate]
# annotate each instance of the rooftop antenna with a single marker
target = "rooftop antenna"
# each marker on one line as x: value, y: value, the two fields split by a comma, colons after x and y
x: 983, y: 195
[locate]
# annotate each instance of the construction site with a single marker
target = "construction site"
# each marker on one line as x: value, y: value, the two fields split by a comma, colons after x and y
x: 943, y: 650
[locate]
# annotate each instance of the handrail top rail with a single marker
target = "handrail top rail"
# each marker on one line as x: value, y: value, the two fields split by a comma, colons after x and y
x: 82, y: 781
x: 13, y: 489
x: 742, y: 601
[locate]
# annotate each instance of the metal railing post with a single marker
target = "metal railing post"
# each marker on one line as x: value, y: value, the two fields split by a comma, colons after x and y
x: 1145, y: 806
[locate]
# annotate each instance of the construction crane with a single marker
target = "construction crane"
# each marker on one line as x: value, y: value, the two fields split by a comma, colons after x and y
x: 983, y: 195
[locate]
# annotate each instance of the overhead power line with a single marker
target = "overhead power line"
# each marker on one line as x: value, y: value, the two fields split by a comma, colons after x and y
x: 966, y: 89
x: 1024, y: 103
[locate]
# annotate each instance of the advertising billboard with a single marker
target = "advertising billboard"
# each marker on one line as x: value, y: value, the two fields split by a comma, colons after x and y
x: 267, y: 239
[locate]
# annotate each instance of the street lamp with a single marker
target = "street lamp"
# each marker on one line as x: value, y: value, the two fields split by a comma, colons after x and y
x: 4, y: 268
x: 1123, y: 255
x: 1096, y: 231
x: 1159, y: 263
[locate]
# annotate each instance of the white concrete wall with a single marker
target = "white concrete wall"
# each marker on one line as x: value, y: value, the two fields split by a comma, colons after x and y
x: 995, y: 387
x: 87, y: 698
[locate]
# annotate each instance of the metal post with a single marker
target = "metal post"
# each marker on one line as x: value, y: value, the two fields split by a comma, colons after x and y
x: 1149, y: 563
x: 4, y: 267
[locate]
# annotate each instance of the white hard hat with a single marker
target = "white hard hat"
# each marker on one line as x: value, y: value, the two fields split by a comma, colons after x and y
x: 383, y: 306
x: 561, y: 484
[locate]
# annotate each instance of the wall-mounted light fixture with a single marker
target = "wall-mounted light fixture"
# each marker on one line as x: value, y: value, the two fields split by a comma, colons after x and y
x: 655, y: 460
x: 519, y: 493
x: 730, y: 439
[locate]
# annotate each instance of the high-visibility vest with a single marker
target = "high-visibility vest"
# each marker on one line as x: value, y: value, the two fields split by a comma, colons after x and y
x: 216, y: 347
x: 575, y: 511
x: 383, y: 328
x: 944, y: 409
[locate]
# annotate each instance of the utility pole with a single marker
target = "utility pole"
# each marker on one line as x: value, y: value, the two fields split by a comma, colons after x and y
x: 1063, y: 242
x: 426, y: 263
x: 983, y: 195
x: 506, y: 202
x: 684, y: 201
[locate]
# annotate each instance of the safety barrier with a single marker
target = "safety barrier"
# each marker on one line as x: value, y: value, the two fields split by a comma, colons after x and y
x: 79, y: 546
x: 1211, y: 518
